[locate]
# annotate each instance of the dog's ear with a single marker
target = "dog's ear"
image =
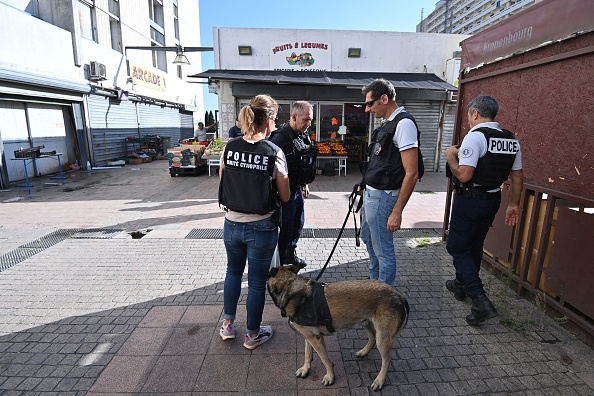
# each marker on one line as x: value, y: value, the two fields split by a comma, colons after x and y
x: 273, y: 272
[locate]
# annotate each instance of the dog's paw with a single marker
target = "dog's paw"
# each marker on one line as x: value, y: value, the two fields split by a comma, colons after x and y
x: 302, y: 372
x: 328, y: 380
x: 375, y: 386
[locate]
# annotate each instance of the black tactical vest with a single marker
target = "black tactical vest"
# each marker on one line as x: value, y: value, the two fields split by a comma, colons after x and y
x: 246, y: 183
x: 493, y: 168
x: 385, y: 170
x: 301, y: 154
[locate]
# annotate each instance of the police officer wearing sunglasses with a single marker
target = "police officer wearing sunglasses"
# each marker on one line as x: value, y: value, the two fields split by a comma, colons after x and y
x: 389, y: 180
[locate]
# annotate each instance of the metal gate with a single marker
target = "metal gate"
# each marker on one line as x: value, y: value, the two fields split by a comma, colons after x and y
x: 160, y: 121
x: 111, y: 123
x: 447, y: 134
x: 187, y: 125
x: 426, y: 114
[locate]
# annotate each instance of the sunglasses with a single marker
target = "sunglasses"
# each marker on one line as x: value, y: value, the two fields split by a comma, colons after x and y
x: 371, y: 102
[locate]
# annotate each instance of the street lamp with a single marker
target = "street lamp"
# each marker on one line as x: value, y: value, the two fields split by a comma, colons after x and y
x: 180, y: 57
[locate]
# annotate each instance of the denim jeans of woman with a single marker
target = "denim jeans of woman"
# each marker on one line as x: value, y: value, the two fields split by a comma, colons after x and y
x: 254, y: 242
x: 470, y: 222
x: 377, y: 207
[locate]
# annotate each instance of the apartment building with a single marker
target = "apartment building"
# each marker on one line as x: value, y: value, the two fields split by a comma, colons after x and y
x: 80, y: 76
x: 470, y: 16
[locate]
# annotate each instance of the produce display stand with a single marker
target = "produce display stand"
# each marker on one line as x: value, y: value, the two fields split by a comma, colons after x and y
x: 188, y: 170
x: 186, y: 160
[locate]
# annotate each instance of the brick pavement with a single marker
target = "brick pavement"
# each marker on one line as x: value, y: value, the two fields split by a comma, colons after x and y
x: 139, y: 316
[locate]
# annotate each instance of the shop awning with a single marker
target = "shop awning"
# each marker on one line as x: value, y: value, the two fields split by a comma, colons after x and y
x: 425, y: 81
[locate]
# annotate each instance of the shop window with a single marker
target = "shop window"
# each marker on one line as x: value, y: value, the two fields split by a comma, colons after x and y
x: 13, y: 121
x: 356, y: 120
x: 330, y: 121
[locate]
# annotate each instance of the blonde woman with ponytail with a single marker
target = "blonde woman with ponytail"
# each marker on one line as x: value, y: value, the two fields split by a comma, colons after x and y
x: 254, y: 182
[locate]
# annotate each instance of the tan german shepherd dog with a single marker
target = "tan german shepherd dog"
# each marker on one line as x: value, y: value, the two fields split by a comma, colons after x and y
x: 381, y: 310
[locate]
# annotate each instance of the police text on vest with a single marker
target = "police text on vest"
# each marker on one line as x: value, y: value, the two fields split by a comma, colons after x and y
x: 503, y: 146
x: 247, y: 160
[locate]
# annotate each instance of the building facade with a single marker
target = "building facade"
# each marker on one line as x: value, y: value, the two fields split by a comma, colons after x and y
x: 328, y: 68
x: 470, y: 16
x: 71, y: 82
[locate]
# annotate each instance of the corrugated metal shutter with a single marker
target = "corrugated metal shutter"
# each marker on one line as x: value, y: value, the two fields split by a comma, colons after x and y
x: 448, y: 132
x: 161, y: 121
x: 187, y: 125
x: 426, y: 114
x: 111, y: 123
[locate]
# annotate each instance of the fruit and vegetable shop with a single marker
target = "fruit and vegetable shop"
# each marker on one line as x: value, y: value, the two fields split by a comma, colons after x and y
x: 329, y: 68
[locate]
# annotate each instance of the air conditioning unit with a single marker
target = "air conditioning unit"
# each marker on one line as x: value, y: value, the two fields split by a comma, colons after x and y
x: 97, y: 72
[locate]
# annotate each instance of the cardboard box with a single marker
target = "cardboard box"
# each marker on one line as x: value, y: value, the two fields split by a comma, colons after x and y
x: 135, y: 161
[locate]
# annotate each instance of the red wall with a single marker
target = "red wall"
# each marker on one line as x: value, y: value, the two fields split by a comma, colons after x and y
x: 550, y: 108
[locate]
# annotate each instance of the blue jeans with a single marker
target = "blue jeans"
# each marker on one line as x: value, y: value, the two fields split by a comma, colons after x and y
x: 469, y: 224
x: 255, y: 242
x: 293, y: 218
x: 377, y: 207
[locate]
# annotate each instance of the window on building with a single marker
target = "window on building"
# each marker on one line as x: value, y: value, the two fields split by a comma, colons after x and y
x: 176, y: 21
x: 179, y: 72
x: 115, y: 27
x: 157, y: 26
x: 86, y: 18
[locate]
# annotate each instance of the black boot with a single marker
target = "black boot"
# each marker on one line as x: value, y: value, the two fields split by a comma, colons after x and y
x: 482, y: 309
x: 291, y: 258
x: 456, y: 287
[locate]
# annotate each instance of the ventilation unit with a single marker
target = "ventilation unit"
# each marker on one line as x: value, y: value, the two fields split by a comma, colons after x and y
x: 97, y: 71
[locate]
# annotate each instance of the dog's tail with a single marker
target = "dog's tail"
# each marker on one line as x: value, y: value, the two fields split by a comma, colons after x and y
x: 407, y: 310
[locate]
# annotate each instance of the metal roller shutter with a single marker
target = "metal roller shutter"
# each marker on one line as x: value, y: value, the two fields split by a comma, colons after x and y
x: 426, y: 114
x: 111, y: 123
x: 187, y: 125
x: 161, y: 121
x: 448, y: 132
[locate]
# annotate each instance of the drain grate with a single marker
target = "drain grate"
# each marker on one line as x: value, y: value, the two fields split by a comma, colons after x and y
x: 210, y: 233
x: 16, y: 256
x: 49, y: 240
x: 96, y: 233
x: 30, y: 249
x: 205, y: 233
x: 418, y: 233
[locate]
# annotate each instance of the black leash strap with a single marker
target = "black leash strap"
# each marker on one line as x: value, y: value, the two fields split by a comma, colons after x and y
x: 352, y: 201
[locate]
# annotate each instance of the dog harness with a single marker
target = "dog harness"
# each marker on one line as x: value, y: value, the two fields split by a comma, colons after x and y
x: 314, y: 311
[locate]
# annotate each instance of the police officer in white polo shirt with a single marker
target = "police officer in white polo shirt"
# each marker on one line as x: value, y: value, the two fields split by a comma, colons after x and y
x: 486, y: 158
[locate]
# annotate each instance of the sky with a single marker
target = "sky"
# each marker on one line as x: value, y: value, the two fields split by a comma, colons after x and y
x: 378, y: 15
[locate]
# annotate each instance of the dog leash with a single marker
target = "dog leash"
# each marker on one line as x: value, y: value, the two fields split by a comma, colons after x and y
x: 352, y: 201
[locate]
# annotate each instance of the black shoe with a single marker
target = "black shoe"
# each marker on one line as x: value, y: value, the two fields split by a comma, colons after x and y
x: 456, y: 287
x: 482, y: 309
x: 291, y: 258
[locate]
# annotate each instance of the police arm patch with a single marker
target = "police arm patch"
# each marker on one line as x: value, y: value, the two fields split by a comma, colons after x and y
x: 466, y: 152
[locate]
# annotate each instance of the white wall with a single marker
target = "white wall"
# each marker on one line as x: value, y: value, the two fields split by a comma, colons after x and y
x: 396, y: 52
x: 32, y: 46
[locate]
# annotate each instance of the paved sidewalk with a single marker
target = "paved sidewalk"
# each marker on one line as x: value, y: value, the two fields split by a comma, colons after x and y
x: 84, y: 311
